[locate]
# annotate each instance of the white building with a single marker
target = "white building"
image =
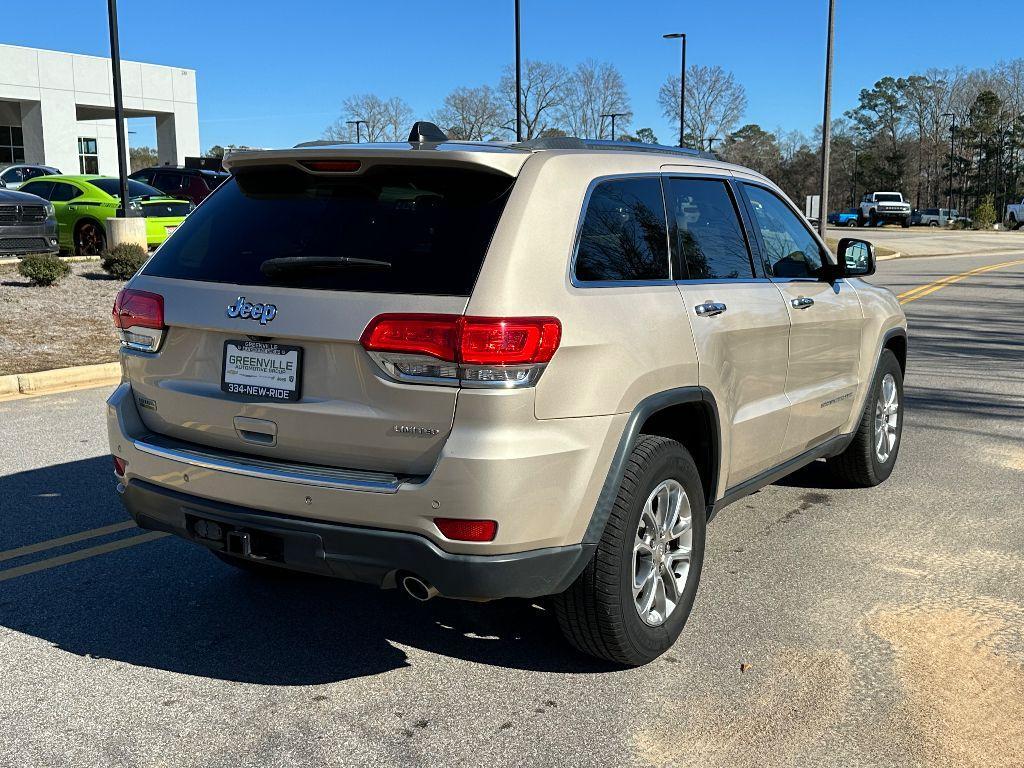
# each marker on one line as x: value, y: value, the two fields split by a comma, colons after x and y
x: 57, y: 109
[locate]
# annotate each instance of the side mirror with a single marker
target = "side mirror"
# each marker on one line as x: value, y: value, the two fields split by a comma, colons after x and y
x: 856, y: 257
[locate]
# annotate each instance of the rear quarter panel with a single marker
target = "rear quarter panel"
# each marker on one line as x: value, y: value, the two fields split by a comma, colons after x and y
x: 619, y: 344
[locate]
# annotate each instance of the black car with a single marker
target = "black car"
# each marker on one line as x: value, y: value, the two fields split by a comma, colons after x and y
x: 179, y: 181
x: 27, y: 224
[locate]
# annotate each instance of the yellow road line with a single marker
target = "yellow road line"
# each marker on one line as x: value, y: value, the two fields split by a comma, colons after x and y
x: 82, y: 554
x: 923, y: 290
x: 31, y: 549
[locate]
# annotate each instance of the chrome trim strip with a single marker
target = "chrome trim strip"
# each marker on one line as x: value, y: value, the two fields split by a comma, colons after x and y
x: 320, y: 477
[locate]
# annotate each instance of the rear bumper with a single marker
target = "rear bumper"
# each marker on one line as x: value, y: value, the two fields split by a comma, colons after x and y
x: 358, y: 554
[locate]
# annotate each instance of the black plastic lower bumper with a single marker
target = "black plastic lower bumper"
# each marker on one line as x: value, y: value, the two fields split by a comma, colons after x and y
x: 358, y: 554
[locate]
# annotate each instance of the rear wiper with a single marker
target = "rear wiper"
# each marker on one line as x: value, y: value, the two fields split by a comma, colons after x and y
x: 300, y: 263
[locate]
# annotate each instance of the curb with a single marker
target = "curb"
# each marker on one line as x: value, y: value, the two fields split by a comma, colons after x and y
x: 69, y: 259
x: 891, y: 256
x: 59, y: 378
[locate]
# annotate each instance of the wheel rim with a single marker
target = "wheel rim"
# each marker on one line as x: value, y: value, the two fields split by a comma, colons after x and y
x: 887, y: 418
x: 662, y: 550
x: 90, y: 240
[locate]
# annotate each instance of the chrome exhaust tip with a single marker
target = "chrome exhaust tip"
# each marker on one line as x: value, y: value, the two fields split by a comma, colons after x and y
x: 417, y: 588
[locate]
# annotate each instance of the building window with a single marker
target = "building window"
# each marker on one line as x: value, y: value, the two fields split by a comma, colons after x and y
x: 12, y: 144
x: 88, y: 158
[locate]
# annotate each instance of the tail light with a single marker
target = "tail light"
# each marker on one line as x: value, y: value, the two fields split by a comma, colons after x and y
x: 461, y: 350
x: 139, y: 317
x: 119, y: 466
x: 466, y: 530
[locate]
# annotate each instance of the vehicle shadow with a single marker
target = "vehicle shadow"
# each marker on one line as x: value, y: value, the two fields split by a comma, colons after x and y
x: 170, y: 605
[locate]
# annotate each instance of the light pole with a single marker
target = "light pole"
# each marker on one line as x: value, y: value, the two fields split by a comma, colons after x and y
x: 613, y: 115
x: 682, y: 84
x: 356, y: 123
x: 952, y: 141
x: 826, y: 123
x: 115, y: 65
x: 519, y: 82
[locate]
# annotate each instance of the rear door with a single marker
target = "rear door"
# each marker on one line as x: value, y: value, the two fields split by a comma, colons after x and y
x: 739, y: 322
x: 827, y: 321
x: 281, y: 270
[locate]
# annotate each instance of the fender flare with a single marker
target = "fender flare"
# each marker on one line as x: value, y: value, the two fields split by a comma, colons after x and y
x: 643, y: 411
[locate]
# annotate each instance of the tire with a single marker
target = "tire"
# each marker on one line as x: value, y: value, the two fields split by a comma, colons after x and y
x: 90, y: 239
x: 905, y: 223
x: 861, y: 464
x: 933, y: 223
x: 851, y: 223
x: 1014, y: 224
x: 598, y: 614
x: 873, y: 219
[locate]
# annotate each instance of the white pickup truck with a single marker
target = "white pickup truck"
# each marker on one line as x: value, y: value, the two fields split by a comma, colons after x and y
x: 1015, y: 215
x: 883, y: 208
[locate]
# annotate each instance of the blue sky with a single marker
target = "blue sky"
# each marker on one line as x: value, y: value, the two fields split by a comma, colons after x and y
x: 275, y: 73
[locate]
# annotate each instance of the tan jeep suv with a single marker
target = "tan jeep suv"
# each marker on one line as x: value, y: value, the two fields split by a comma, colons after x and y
x: 496, y: 370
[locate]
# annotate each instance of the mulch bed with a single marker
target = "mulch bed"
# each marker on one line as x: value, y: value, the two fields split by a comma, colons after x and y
x: 57, y: 326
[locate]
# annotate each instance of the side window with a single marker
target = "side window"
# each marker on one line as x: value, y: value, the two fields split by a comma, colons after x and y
x: 31, y: 173
x: 146, y: 177
x: 13, y: 176
x: 707, y: 230
x: 63, y: 192
x: 169, y: 182
x: 42, y: 188
x: 623, y: 235
x: 790, y: 248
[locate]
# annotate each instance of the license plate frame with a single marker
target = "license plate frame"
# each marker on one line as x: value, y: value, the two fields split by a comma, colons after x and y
x: 265, y: 389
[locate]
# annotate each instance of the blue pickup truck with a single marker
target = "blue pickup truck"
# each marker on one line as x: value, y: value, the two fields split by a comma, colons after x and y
x: 843, y: 218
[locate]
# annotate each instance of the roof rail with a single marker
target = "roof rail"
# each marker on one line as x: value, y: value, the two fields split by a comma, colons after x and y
x: 572, y: 142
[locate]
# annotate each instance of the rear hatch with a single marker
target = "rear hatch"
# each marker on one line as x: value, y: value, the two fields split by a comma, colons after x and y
x: 269, y: 284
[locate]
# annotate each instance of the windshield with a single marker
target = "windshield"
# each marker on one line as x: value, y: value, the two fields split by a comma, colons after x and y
x: 892, y: 198
x: 135, y: 188
x: 430, y: 226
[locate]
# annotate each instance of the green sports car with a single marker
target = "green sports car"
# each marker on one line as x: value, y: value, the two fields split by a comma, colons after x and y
x: 84, y: 203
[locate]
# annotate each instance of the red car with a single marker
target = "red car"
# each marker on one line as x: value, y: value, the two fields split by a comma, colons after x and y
x: 175, y: 180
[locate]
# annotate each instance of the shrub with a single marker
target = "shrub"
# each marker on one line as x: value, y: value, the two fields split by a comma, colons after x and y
x: 124, y: 260
x: 984, y: 215
x: 44, y: 268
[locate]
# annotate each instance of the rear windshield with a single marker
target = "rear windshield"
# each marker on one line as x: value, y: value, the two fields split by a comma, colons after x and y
x: 213, y: 180
x: 392, y: 229
x: 135, y: 188
x: 888, y: 199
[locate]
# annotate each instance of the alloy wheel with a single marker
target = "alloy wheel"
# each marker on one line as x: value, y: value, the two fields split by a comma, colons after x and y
x: 661, y: 552
x: 887, y: 415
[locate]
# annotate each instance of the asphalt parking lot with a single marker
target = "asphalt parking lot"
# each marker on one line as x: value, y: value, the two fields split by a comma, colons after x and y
x: 833, y: 627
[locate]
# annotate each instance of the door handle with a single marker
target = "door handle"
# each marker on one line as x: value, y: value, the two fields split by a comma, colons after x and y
x: 802, y: 302
x: 710, y: 309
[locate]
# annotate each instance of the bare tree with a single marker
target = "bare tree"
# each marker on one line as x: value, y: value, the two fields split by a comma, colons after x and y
x: 595, y: 89
x: 715, y: 102
x: 543, y: 94
x: 384, y: 119
x: 471, y: 114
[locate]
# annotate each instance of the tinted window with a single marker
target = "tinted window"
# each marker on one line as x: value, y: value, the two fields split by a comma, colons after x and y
x: 170, y: 182
x: 214, y: 180
x: 790, y: 248
x: 13, y: 176
x: 146, y: 177
x: 41, y: 188
x: 428, y: 227
x: 135, y: 188
x: 707, y: 230
x: 623, y: 235
x: 891, y: 198
x: 63, y: 192
x: 931, y: 211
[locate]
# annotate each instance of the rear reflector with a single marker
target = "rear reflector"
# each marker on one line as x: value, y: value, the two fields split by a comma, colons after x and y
x: 466, y: 530
x: 138, y: 309
x: 119, y: 466
x: 464, y: 339
x: 332, y: 166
